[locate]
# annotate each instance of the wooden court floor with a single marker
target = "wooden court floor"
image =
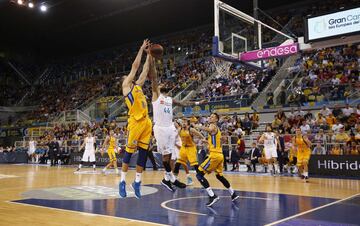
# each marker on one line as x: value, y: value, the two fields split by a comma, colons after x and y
x: 15, y: 180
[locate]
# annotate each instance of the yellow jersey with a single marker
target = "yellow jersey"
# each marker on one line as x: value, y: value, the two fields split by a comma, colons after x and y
x: 215, y: 142
x: 112, y: 144
x: 136, y: 103
x: 186, y: 138
x: 301, y: 144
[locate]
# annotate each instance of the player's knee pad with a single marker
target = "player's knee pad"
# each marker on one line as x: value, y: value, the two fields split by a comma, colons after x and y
x: 127, y: 157
x: 223, y: 180
x: 196, y: 167
x: 202, y: 180
x: 142, y: 156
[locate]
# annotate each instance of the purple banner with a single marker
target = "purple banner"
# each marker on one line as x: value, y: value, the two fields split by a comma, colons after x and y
x: 272, y: 52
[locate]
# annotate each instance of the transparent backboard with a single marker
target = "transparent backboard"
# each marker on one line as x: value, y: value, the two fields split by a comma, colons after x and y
x: 236, y: 32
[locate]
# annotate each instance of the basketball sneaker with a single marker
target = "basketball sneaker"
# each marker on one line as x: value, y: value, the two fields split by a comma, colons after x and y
x: 306, y: 179
x: 179, y: 184
x: 189, y: 181
x: 122, y: 189
x: 167, y: 185
x: 212, y: 200
x: 136, y: 187
x: 234, y: 197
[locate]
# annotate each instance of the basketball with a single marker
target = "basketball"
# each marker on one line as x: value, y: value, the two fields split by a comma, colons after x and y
x: 156, y: 50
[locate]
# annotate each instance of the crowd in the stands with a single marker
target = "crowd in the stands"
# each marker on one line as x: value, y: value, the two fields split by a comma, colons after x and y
x: 326, y: 75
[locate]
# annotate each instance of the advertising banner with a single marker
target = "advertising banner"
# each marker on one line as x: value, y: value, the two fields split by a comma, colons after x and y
x: 13, y: 157
x: 335, y: 165
x: 272, y: 52
x: 333, y: 24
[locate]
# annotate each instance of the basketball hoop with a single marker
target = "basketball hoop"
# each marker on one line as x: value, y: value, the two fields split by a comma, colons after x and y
x: 222, y: 66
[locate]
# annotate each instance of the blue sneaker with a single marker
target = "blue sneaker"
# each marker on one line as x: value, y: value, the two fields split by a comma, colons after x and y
x: 122, y: 189
x: 189, y: 181
x: 136, y: 187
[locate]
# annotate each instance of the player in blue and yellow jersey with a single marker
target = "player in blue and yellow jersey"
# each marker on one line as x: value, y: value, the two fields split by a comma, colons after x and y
x: 111, y: 144
x: 139, y: 124
x: 214, y: 162
x: 188, y: 150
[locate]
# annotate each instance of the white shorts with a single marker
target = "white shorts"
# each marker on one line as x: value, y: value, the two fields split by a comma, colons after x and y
x: 270, y: 153
x: 165, y: 139
x: 31, y: 151
x: 89, y: 155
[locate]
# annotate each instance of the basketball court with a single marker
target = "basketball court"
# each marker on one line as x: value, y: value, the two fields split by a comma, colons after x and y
x: 58, y: 196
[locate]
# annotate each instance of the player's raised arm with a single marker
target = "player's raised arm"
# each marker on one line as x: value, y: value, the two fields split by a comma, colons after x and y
x: 197, y: 133
x: 145, y: 71
x: 126, y: 85
x: 211, y: 129
x: 154, y: 80
x: 83, y: 145
x: 187, y: 103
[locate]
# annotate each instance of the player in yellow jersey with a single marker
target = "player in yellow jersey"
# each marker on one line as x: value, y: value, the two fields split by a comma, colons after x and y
x: 111, y: 143
x: 188, y: 151
x: 302, y: 145
x: 214, y: 162
x: 139, y: 124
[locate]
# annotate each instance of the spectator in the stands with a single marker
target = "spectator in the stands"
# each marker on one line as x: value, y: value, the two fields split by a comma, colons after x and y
x: 253, y: 157
x: 336, y: 150
x: 354, y: 150
x: 300, y: 112
x: 342, y: 136
x: 282, y: 95
x: 347, y: 111
x: 336, y: 127
x: 270, y: 97
x: 330, y: 120
x: 247, y: 124
x: 305, y: 127
x: 325, y: 111
x: 319, y: 150
x: 255, y: 119
x: 320, y: 137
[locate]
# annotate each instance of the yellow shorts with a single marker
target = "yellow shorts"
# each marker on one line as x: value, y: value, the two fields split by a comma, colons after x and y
x: 111, y: 154
x: 215, y: 162
x: 139, y: 133
x: 188, y: 154
x: 303, y: 156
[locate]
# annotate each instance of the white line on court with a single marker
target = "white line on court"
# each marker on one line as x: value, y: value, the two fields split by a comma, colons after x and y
x: 312, y: 210
x: 88, y: 214
x: 163, y: 204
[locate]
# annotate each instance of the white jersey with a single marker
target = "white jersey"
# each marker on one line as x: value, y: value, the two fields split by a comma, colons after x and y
x: 163, y: 111
x: 89, y: 143
x: 32, y: 145
x: 270, y: 140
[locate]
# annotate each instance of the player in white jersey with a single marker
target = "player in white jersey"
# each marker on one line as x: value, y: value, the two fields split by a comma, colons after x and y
x: 271, y: 142
x: 89, y: 153
x: 31, y: 150
x: 164, y: 129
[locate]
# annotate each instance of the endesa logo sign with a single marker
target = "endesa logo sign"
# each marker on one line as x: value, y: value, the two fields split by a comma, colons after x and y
x: 273, y: 52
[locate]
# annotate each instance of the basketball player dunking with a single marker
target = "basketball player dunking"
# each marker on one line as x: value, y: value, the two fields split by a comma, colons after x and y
x: 139, y: 124
x: 164, y: 128
x: 215, y: 161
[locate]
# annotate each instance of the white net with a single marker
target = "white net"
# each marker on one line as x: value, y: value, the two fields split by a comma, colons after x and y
x: 222, y: 66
